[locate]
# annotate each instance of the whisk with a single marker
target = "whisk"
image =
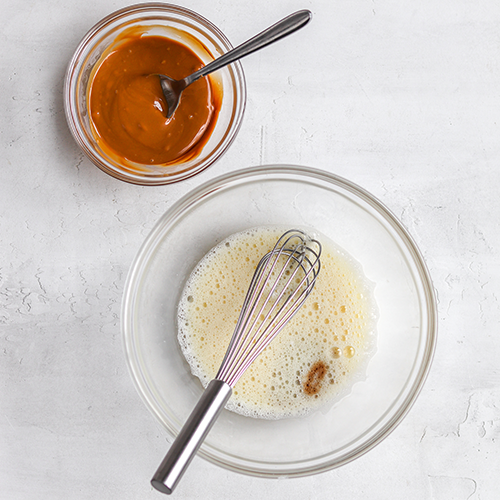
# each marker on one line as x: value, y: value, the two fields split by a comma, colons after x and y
x: 282, y: 281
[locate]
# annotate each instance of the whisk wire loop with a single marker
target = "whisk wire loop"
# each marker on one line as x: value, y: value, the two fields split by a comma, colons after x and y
x: 262, y: 328
x: 241, y: 331
x: 246, y: 335
x: 267, y: 336
x: 256, y: 291
x: 275, y: 294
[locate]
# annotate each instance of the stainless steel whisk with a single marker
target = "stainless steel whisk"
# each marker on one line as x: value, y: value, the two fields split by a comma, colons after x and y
x: 282, y: 281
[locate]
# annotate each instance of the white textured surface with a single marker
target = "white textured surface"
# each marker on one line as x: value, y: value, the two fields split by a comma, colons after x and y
x: 401, y: 97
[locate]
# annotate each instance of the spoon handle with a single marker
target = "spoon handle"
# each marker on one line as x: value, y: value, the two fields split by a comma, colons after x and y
x: 282, y: 28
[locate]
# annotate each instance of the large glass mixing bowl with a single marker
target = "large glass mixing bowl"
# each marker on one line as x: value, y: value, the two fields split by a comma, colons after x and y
x: 285, y: 196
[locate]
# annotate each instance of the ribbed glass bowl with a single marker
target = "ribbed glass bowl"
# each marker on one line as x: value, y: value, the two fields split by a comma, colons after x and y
x: 286, y: 196
x: 162, y: 19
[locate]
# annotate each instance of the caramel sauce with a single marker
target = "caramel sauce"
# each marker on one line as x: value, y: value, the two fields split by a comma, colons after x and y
x: 128, y: 110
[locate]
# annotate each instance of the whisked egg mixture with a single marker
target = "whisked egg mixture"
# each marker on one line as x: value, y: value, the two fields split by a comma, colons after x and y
x: 315, y: 359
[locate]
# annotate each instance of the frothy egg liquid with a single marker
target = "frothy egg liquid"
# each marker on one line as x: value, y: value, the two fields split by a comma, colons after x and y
x: 315, y: 359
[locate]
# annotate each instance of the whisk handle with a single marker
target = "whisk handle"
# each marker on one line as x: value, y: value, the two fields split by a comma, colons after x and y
x: 192, y: 434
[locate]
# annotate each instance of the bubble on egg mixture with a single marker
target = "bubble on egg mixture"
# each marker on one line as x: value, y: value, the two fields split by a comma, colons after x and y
x: 316, y: 358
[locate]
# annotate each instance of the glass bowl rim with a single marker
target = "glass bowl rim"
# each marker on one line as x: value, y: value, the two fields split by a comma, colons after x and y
x: 317, y: 464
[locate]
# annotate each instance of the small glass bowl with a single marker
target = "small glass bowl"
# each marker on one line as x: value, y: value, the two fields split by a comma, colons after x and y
x: 282, y: 196
x: 203, y: 38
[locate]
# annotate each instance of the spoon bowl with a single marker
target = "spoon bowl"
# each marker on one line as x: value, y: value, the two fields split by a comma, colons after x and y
x: 172, y: 89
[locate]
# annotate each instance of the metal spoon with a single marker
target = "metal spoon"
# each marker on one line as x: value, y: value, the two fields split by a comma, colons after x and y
x: 172, y: 89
